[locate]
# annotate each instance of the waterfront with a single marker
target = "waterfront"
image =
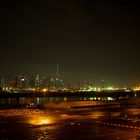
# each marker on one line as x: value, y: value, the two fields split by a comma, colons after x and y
x: 39, y: 101
x: 104, y: 122
x: 72, y: 101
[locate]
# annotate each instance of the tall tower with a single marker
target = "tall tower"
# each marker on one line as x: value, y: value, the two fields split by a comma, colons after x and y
x: 37, y: 82
x: 57, y: 78
x: 57, y: 71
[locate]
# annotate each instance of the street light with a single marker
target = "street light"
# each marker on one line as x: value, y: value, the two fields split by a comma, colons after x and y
x: 44, y: 90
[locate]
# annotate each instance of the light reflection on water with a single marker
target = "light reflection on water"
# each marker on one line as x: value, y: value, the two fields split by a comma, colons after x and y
x: 49, y: 118
x: 40, y: 120
x: 40, y: 100
x: 45, y: 124
x: 133, y: 111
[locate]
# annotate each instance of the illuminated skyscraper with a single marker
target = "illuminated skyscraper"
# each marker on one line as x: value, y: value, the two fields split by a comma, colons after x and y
x: 59, y: 83
x: 37, y: 82
x: 51, y: 84
x: 22, y: 82
x: 57, y: 78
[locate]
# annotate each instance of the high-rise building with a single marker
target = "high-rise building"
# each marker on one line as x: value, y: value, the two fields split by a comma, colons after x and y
x: 2, y: 83
x: 32, y: 82
x: 44, y: 82
x: 51, y: 83
x: 22, y: 82
x: 37, y: 82
x: 57, y: 79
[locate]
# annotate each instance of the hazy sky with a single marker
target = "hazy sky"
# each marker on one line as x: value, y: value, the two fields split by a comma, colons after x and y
x: 90, y: 40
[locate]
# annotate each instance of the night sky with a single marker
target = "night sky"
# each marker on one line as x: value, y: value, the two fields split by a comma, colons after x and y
x: 89, y: 40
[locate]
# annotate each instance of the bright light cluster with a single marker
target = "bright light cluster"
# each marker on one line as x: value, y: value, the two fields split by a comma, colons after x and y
x: 136, y: 88
x: 98, y: 89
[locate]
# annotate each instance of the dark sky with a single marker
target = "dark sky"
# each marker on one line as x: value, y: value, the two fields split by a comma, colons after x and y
x: 90, y: 40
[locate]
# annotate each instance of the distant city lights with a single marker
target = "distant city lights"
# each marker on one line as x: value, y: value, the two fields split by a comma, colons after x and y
x: 55, y: 84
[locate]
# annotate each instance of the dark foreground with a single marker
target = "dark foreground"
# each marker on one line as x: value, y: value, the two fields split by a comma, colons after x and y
x: 117, y: 123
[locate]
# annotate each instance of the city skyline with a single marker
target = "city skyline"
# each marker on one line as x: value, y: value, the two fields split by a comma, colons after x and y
x: 57, y: 76
x: 90, y: 40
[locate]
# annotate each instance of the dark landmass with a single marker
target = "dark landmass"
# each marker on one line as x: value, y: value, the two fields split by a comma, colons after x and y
x: 71, y: 94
